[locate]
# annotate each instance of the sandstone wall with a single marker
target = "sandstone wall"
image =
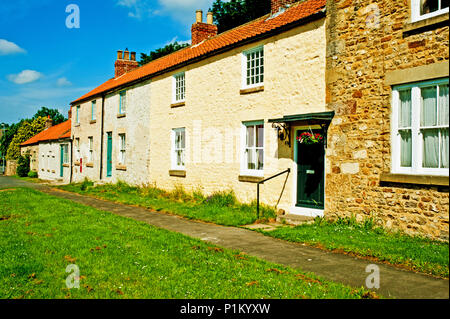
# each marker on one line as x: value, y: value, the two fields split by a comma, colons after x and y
x: 367, y: 41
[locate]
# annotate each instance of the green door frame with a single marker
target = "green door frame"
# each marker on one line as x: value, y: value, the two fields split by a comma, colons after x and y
x: 62, y: 160
x: 109, y: 155
x: 296, y: 159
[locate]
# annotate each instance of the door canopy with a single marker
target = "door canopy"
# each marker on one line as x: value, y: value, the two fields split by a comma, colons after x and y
x: 283, y: 125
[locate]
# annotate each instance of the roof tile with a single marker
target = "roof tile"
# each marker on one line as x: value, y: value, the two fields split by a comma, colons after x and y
x: 53, y: 133
x: 257, y: 27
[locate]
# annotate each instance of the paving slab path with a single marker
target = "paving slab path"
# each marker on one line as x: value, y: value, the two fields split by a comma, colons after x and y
x: 394, y: 282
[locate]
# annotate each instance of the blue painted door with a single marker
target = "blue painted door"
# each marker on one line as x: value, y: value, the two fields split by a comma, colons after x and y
x: 61, y: 167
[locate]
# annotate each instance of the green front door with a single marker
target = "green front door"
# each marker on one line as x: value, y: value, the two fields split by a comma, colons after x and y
x: 61, y: 167
x: 109, y: 156
x: 310, y: 175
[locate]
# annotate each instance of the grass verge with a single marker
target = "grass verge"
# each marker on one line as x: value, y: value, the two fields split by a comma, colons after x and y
x: 368, y: 240
x: 220, y: 208
x: 118, y: 257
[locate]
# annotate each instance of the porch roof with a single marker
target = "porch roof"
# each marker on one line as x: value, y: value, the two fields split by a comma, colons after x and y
x: 323, y: 117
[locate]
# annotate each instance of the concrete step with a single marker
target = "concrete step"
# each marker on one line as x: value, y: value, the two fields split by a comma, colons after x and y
x: 296, y: 220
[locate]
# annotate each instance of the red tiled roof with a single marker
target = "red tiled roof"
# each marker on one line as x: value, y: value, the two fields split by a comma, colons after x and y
x: 53, y: 133
x: 245, y: 32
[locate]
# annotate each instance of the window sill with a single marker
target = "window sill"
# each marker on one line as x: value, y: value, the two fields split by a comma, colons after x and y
x: 252, y: 90
x: 415, y: 179
x: 66, y: 165
x: 90, y: 165
x: 426, y: 24
x: 119, y: 116
x: 178, y: 104
x: 121, y: 168
x: 77, y: 124
x: 93, y: 122
x: 250, y: 179
x: 77, y: 163
x: 177, y: 173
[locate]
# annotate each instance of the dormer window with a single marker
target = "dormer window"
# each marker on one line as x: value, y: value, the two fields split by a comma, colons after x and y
x: 424, y: 9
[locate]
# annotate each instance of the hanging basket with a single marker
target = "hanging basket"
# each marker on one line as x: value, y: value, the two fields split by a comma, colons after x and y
x: 310, y: 138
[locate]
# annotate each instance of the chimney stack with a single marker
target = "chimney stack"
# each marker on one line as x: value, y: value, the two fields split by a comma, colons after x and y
x: 202, y: 31
x: 48, y: 122
x: 277, y: 5
x: 124, y: 63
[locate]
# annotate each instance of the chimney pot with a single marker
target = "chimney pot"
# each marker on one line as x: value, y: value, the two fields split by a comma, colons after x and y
x: 124, y: 64
x: 199, y: 16
x: 210, y: 18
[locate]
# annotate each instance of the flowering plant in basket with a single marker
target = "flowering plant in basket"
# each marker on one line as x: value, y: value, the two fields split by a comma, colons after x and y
x: 310, y: 138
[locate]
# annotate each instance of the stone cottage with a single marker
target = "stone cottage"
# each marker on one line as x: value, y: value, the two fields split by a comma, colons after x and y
x: 387, y: 81
x: 348, y: 100
x: 50, y: 153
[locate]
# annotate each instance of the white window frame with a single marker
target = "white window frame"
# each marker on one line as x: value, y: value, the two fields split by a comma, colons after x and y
x: 77, y: 114
x: 77, y: 148
x: 179, y: 78
x: 175, y: 149
x: 91, y: 149
x: 415, y: 11
x: 244, y: 165
x: 123, y: 102
x: 245, y: 55
x: 417, y: 137
x: 94, y: 110
x: 123, y: 148
x: 65, y: 153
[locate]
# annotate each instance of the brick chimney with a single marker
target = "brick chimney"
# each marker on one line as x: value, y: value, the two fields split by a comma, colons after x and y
x: 70, y: 113
x: 125, y: 62
x: 202, y: 31
x: 281, y: 4
x: 48, y: 122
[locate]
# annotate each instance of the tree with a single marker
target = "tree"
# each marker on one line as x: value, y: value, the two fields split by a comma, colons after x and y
x: 23, y: 165
x: 158, y: 53
x: 53, y: 113
x: 7, y: 136
x: 234, y: 13
x: 26, y: 131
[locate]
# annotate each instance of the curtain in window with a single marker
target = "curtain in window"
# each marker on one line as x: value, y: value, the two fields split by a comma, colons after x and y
x: 405, y: 129
x: 444, y: 120
x: 428, y: 119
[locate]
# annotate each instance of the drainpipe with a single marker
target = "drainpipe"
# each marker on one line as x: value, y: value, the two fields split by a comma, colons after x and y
x: 101, y: 137
x: 71, y: 160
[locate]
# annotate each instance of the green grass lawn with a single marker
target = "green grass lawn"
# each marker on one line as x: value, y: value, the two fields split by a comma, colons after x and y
x: 414, y: 253
x: 346, y: 235
x: 221, y: 208
x: 118, y: 257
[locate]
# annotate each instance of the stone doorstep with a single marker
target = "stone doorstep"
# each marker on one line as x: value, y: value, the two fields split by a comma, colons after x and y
x: 295, y: 220
x: 265, y: 227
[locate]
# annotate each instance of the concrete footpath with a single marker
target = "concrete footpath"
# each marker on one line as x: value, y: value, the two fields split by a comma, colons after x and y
x: 394, y: 282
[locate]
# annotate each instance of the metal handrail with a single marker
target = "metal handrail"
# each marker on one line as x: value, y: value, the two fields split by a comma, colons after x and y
x: 262, y: 182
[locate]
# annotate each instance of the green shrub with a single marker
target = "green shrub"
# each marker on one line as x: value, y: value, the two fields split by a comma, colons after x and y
x: 32, y: 174
x: 222, y: 199
x: 86, y: 183
x: 23, y: 166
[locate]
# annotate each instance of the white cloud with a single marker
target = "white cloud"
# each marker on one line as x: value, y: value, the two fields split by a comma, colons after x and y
x: 180, y: 10
x: 26, y: 76
x: 63, y: 82
x: 7, y: 47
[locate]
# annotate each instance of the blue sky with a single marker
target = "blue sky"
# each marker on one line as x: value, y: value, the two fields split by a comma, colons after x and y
x: 44, y: 63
